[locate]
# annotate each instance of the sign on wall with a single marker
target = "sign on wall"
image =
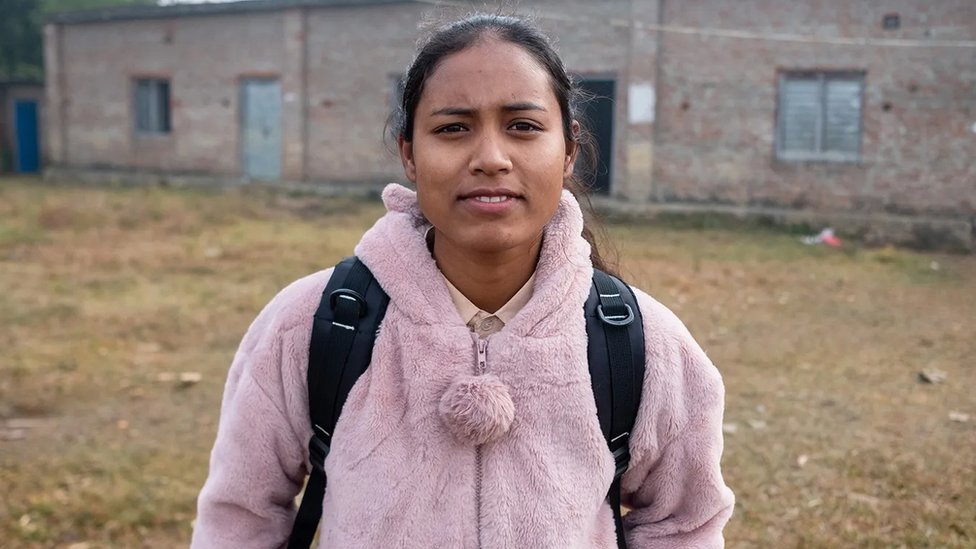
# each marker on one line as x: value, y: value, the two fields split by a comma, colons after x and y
x: 640, y: 103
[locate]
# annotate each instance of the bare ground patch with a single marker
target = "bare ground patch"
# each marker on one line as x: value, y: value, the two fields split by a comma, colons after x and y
x: 110, y: 295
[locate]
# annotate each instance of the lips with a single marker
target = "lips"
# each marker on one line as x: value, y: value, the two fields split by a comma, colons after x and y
x: 490, y: 201
x: 489, y: 195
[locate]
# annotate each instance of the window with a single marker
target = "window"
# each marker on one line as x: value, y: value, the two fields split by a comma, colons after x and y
x: 819, y: 116
x: 152, y: 105
x: 891, y: 21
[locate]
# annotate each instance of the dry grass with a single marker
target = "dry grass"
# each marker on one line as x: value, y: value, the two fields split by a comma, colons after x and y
x: 836, y: 443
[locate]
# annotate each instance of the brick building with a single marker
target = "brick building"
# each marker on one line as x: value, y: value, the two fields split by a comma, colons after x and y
x: 832, y: 105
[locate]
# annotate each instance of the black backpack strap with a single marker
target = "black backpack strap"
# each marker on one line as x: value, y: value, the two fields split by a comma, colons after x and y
x: 343, y: 332
x: 615, y: 350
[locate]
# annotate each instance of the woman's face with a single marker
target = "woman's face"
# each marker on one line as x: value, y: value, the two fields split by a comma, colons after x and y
x: 488, y: 154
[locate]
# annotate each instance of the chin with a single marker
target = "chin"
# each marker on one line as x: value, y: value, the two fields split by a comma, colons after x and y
x: 492, y: 241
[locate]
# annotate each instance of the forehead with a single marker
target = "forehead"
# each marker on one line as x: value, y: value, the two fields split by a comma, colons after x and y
x: 489, y: 73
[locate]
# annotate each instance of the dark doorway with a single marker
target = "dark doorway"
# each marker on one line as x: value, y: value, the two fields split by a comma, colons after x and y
x: 598, y: 114
x: 28, y: 158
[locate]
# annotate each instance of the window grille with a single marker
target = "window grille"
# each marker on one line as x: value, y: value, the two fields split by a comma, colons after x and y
x: 819, y: 116
x: 152, y: 114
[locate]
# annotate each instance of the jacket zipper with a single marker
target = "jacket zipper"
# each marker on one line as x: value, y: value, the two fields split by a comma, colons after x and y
x: 480, y: 368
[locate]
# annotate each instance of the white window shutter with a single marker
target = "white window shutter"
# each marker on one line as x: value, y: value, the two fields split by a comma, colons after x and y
x: 842, y: 132
x: 800, y: 116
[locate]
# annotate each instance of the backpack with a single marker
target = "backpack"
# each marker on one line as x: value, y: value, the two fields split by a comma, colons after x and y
x: 346, y: 325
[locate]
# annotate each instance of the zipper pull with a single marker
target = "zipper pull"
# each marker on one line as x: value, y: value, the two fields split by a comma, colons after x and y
x: 482, y: 355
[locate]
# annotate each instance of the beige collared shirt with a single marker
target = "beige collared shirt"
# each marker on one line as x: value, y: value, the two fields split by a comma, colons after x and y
x: 482, y: 322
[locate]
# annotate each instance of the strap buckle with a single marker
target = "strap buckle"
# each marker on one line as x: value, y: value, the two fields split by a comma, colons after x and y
x: 348, y: 295
x: 318, y: 450
x: 616, y: 320
x: 620, y: 447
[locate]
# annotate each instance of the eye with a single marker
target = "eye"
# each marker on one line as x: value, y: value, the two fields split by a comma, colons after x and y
x: 451, y: 128
x: 523, y: 126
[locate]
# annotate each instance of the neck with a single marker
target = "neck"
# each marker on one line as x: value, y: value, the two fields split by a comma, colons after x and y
x: 488, y: 279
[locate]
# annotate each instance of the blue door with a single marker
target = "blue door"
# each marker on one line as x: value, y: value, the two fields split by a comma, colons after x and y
x: 27, y: 145
x: 261, y: 128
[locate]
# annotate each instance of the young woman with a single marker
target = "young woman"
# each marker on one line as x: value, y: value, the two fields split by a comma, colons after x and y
x: 475, y: 424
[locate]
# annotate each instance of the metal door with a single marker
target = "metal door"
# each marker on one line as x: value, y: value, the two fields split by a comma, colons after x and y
x: 27, y: 145
x: 598, y: 114
x: 261, y: 128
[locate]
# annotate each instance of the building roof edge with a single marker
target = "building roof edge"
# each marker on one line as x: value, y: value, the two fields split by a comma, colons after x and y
x: 123, y: 13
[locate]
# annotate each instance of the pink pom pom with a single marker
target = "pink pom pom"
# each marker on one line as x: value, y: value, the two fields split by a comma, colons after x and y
x: 477, y: 409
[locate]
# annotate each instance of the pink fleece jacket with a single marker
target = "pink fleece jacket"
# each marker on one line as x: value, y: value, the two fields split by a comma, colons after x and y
x: 432, y: 450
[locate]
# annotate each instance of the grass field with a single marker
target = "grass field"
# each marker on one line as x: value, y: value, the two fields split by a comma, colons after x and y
x: 108, y: 296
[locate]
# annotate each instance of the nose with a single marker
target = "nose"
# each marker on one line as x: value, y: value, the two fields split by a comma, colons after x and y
x: 490, y: 156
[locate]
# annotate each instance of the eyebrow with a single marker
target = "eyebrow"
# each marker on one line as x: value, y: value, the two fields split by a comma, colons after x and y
x: 510, y: 107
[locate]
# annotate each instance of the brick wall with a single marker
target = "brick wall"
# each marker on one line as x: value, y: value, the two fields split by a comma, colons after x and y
x: 718, y: 101
x: 351, y: 76
x: 712, y: 100
x: 204, y: 58
x: 351, y: 80
x: 337, y: 67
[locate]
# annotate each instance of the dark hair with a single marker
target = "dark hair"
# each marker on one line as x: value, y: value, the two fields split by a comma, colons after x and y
x: 454, y: 37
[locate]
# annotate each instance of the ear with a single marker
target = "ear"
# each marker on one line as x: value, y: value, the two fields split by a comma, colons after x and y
x: 572, y: 149
x: 406, y: 158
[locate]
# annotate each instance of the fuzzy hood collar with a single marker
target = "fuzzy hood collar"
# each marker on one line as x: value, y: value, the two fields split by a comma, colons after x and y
x: 395, y: 250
